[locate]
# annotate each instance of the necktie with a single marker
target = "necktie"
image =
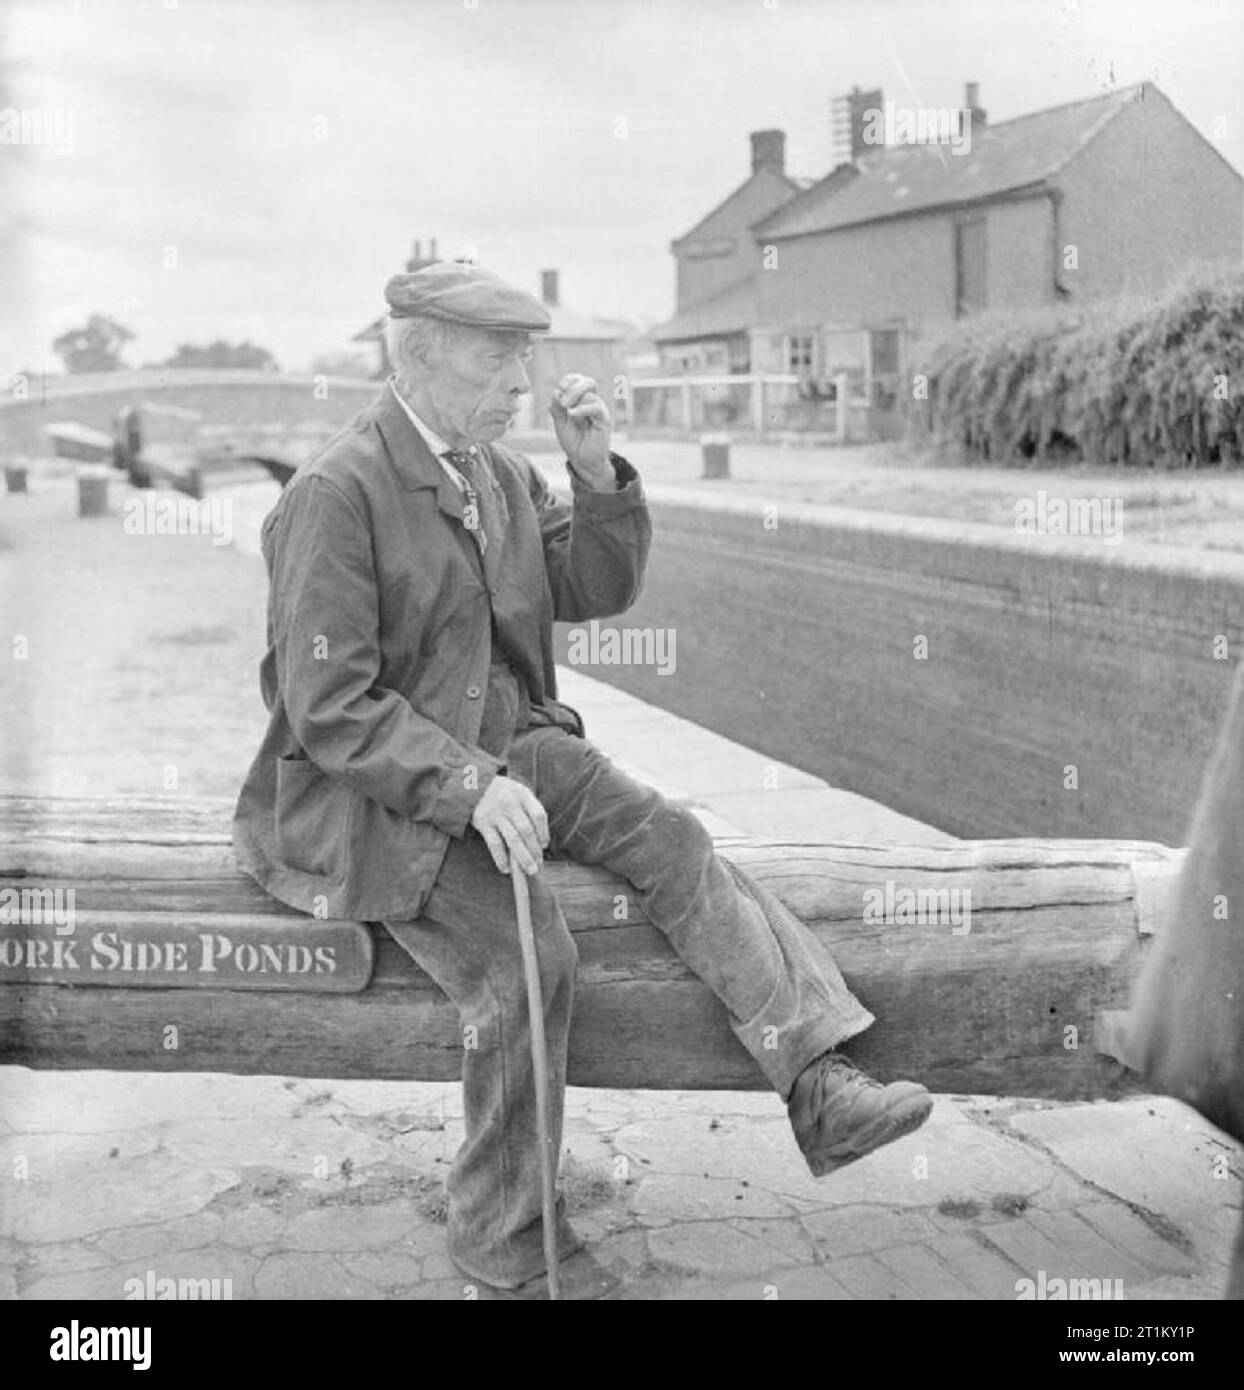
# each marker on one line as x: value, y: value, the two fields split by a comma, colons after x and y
x: 465, y: 465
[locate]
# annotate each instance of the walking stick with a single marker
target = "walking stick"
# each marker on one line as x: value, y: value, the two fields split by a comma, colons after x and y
x: 540, y: 1066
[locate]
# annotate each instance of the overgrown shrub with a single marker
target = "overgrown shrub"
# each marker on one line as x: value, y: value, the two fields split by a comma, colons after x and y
x: 1150, y: 384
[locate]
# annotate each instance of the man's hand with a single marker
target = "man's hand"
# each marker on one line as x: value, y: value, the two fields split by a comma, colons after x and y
x: 583, y: 425
x: 512, y: 821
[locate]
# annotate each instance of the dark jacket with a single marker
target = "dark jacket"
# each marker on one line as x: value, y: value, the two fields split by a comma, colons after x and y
x: 379, y: 643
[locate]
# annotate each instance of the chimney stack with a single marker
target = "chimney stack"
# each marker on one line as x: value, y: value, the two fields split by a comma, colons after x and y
x: 851, y: 120
x: 549, y: 288
x: 769, y: 150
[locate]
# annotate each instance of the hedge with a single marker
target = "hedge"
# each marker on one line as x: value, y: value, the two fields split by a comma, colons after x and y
x: 1150, y: 384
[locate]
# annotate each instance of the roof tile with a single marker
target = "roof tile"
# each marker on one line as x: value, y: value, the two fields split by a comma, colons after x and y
x: 901, y: 179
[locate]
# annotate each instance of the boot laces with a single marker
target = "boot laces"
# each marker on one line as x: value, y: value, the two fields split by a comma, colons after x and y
x: 833, y: 1073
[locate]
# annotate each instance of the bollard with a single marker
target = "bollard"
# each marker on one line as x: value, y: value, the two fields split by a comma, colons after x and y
x: 842, y: 415
x: 14, y: 477
x: 93, y: 490
x: 715, y: 451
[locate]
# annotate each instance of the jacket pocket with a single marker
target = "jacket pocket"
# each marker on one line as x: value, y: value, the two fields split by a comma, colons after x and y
x: 312, y: 819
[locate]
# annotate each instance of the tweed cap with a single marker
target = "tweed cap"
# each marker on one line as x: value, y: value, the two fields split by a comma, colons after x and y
x: 467, y: 295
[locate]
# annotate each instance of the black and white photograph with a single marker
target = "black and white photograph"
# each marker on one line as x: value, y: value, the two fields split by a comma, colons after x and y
x: 620, y: 633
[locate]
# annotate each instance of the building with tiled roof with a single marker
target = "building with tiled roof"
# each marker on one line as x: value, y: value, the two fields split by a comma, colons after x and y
x: 988, y: 162
x: 932, y: 219
x: 716, y: 266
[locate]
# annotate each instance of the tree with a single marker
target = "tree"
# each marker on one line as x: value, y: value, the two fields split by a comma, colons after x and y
x: 222, y: 354
x: 94, y: 348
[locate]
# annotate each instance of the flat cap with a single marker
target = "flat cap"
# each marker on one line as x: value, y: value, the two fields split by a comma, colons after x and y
x: 467, y: 295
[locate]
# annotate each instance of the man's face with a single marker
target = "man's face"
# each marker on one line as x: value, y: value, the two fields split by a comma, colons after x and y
x: 477, y: 379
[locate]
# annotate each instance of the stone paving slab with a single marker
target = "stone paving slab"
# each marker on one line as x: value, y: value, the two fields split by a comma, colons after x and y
x: 924, y: 1273
x: 977, y: 1265
x: 1063, y: 1247
x: 821, y: 813
x: 1155, y: 1156
x: 703, y: 1201
x: 1135, y: 1236
x: 71, y: 1204
x: 734, y: 789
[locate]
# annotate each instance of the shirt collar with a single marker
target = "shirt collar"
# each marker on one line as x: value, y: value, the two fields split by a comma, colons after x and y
x: 433, y: 440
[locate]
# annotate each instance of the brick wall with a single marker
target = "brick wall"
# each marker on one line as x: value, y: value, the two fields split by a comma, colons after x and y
x: 701, y: 277
x: 904, y: 270
x: 798, y: 642
x: 1144, y: 200
x: 863, y: 275
x: 1019, y: 254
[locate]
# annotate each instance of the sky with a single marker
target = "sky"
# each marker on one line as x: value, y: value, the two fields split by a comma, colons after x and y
x: 256, y: 169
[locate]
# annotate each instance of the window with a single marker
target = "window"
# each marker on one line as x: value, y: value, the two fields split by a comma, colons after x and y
x: 969, y: 266
x: 799, y: 354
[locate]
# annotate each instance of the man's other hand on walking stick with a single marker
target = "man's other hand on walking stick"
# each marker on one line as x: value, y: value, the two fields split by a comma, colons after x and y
x: 512, y: 821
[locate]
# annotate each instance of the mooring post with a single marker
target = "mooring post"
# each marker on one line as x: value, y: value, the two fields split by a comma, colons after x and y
x: 715, y: 452
x: 93, y: 490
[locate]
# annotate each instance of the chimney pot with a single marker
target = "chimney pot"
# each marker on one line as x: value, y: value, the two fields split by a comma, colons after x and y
x: 769, y: 150
x: 549, y: 288
x: 418, y: 259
